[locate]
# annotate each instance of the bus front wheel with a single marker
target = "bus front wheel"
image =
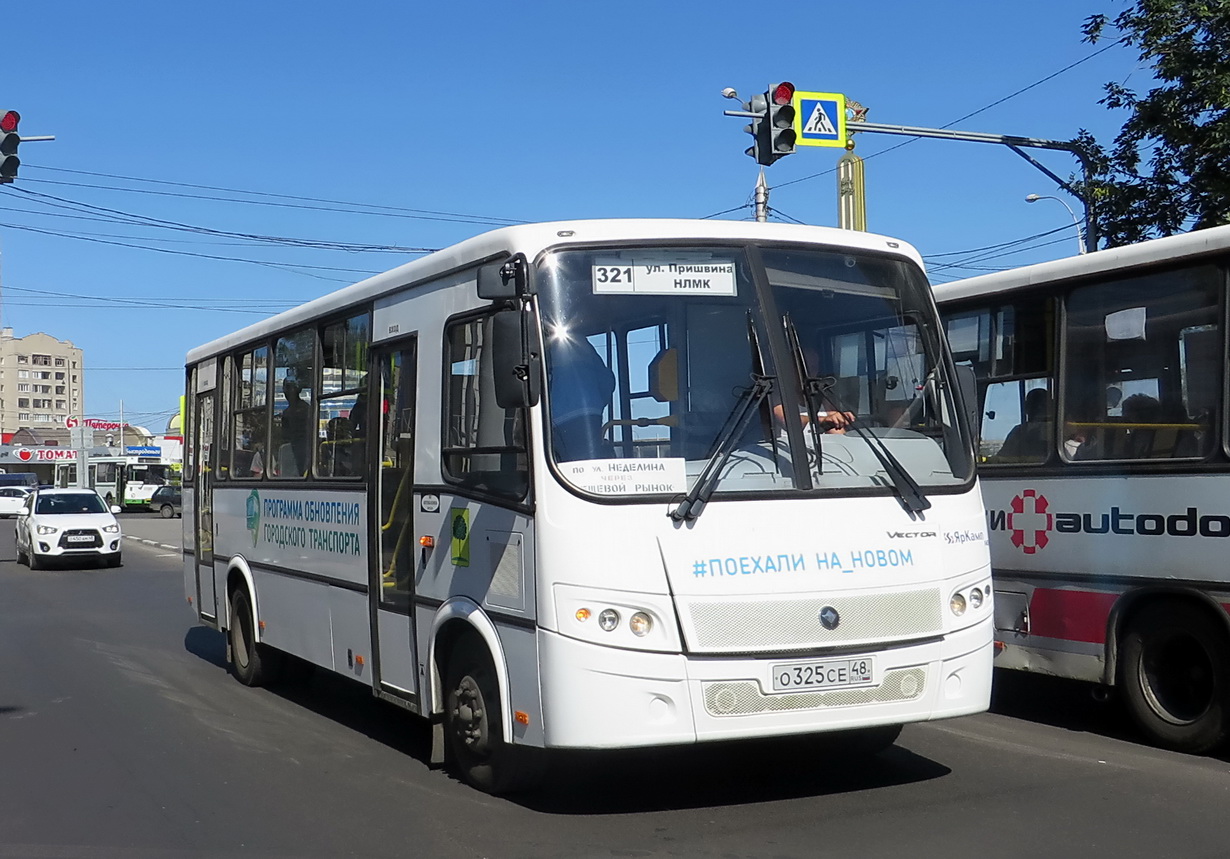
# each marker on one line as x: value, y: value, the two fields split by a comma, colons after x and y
x: 1175, y: 673
x: 473, y: 727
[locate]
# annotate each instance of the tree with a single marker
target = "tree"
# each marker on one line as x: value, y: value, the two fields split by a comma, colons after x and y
x: 1169, y: 167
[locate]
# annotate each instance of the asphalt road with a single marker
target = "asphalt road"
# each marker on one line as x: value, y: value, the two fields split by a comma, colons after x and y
x: 123, y: 737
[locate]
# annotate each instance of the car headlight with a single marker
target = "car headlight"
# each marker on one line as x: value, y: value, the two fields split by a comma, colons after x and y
x: 111, y: 529
x: 46, y: 529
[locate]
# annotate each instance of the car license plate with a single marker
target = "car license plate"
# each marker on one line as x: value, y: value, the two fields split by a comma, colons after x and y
x: 80, y: 538
x: 823, y: 674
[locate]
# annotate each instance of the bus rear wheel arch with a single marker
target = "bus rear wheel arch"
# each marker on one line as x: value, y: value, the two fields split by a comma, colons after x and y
x: 1174, y: 675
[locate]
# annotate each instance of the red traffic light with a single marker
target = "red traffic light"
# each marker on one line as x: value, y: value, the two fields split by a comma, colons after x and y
x: 9, y: 121
x: 783, y: 93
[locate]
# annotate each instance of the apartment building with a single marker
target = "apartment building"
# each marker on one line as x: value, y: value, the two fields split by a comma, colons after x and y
x: 42, y: 382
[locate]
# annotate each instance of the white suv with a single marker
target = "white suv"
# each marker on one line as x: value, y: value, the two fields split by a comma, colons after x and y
x: 55, y: 524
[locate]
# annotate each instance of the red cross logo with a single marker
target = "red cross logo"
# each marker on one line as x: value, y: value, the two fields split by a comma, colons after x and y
x: 1029, y: 518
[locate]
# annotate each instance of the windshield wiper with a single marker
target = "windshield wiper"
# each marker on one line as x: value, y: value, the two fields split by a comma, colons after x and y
x: 740, y: 416
x: 817, y: 390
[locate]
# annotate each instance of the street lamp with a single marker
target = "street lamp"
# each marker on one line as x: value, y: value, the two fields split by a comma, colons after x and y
x: 1080, y: 236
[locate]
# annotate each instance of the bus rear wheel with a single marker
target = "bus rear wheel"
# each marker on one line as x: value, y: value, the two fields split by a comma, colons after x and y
x: 1175, y: 674
x: 252, y: 663
x: 473, y: 728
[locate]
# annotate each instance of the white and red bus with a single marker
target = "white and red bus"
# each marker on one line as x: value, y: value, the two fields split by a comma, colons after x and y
x: 1105, y: 468
x: 539, y: 488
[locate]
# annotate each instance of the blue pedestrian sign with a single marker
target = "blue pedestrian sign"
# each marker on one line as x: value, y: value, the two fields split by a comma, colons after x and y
x: 820, y: 119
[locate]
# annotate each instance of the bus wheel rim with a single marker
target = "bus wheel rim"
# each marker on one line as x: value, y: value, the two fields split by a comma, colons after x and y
x: 1177, y: 679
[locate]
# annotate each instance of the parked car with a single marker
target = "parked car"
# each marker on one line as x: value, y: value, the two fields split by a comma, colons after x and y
x: 64, y: 524
x: 167, y: 500
x: 11, y: 498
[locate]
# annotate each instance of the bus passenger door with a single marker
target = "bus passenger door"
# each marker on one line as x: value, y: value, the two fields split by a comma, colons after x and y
x: 203, y: 514
x: 391, y: 415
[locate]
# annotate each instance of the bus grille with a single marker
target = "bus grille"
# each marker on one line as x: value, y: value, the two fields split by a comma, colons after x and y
x: 751, y: 626
x: 744, y: 698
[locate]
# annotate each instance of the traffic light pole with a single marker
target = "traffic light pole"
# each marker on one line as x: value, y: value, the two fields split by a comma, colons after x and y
x: 762, y: 198
x: 1017, y: 145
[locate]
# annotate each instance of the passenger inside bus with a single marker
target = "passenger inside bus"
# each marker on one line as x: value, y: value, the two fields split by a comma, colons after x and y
x: 580, y: 386
x: 830, y: 421
x: 336, y: 449
x: 1030, y: 440
x: 295, y: 452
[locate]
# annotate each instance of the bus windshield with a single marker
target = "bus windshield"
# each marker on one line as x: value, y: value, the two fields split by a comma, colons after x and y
x: 149, y: 475
x: 653, y: 352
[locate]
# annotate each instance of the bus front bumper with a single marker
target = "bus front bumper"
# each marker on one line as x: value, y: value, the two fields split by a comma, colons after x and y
x: 604, y: 697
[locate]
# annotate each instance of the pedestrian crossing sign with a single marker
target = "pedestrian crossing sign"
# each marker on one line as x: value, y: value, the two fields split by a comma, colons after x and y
x: 820, y: 119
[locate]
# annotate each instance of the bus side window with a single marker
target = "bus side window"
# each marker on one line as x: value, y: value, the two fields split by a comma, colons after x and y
x: 251, y: 414
x: 484, y: 445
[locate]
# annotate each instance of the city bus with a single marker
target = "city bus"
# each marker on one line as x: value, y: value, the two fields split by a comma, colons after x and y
x: 541, y: 489
x: 128, y: 481
x: 1105, y: 470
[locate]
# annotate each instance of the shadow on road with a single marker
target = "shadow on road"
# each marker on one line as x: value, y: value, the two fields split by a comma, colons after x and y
x: 206, y: 643
x: 1060, y: 703
x: 1066, y: 704
x: 718, y: 774
x: 614, y: 782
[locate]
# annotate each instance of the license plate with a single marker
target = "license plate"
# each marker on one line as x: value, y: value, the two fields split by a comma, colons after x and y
x: 823, y: 674
x: 80, y: 538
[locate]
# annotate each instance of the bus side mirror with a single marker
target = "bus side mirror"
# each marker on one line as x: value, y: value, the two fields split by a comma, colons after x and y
x: 503, y: 280
x: 516, y: 365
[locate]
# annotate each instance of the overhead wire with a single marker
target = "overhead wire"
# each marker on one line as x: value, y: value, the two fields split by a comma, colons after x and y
x: 969, y: 115
x: 373, y: 209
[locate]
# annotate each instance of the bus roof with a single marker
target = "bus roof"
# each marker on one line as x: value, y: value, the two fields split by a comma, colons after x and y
x: 530, y: 239
x: 1170, y: 248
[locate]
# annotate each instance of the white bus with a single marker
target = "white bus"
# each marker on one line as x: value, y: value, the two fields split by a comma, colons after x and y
x: 1104, y: 466
x: 128, y: 481
x: 535, y: 488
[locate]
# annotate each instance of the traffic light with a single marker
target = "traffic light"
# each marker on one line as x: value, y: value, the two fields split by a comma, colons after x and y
x: 773, y: 127
x: 781, y: 121
x: 9, y: 138
x: 758, y: 105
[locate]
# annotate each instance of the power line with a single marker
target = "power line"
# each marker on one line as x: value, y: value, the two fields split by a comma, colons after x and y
x: 285, y: 266
x: 376, y: 209
x: 983, y: 109
x: 998, y: 246
x: 131, y: 302
x: 131, y: 219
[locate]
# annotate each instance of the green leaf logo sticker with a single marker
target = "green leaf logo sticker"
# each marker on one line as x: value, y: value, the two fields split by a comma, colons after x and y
x: 460, y: 529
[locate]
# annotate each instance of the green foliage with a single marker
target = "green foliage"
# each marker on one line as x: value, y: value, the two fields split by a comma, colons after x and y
x: 1168, y: 169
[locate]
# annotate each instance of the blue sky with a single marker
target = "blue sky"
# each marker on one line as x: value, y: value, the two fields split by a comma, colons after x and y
x: 458, y: 117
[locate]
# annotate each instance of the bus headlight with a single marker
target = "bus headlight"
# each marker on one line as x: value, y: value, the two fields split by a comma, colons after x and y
x: 970, y: 600
x: 617, y: 618
x: 641, y: 624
